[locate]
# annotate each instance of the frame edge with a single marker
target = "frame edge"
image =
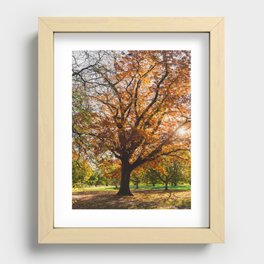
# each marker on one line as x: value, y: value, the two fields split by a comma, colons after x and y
x: 45, y: 130
x: 217, y: 130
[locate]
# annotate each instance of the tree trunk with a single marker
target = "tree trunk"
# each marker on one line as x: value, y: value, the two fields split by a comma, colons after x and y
x: 136, y: 185
x: 125, y: 179
x: 166, y: 186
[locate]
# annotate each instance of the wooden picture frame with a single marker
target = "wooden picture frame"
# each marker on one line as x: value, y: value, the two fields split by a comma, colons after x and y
x: 47, y: 233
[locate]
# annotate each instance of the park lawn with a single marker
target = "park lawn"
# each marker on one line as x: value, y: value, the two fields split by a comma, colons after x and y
x: 132, y: 187
x: 141, y: 199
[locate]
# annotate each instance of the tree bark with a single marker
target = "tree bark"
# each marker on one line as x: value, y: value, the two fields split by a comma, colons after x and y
x: 125, y: 179
x: 166, y: 186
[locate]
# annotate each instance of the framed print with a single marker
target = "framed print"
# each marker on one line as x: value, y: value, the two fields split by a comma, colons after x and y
x: 131, y: 130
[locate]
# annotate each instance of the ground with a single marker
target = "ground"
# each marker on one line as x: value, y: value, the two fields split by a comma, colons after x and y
x: 174, y: 198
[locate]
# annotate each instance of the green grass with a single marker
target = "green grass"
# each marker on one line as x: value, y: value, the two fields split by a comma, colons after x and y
x: 132, y: 187
x: 161, y: 187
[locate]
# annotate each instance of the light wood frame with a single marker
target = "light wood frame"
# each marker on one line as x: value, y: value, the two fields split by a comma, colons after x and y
x: 47, y: 233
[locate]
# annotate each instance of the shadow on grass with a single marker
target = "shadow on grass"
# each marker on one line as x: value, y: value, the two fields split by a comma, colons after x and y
x: 142, y: 199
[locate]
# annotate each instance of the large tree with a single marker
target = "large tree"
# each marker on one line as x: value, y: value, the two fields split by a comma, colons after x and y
x: 132, y: 107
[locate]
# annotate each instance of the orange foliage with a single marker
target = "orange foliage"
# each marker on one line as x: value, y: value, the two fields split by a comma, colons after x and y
x: 131, y: 107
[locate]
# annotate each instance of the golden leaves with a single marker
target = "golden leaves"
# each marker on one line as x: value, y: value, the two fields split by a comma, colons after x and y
x: 132, y: 103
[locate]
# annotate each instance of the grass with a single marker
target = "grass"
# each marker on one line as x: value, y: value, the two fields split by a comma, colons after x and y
x: 132, y: 187
x: 102, y: 198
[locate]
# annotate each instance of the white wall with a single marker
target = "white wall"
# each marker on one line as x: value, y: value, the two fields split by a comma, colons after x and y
x: 244, y: 133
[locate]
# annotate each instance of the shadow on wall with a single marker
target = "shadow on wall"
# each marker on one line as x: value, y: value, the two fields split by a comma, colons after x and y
x: 31, y: 184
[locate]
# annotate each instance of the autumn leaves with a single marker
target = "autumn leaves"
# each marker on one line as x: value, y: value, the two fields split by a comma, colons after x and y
x: 132, y: 108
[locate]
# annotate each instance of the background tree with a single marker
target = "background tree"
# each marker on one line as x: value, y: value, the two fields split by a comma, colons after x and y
x: 164, y: 171
x: 95, y: 179
x: 81, y: 172
x: 175, y: 173
x: 151, y: 177
x: 184, y: 172
x: 136, y: 179
x: 132, y: 107
x: 137, y: 176
x: 110, y: 172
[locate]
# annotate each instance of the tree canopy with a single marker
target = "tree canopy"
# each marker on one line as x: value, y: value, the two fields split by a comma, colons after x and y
x: 131, y: 108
